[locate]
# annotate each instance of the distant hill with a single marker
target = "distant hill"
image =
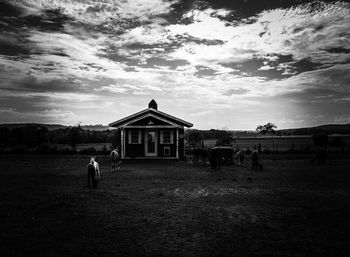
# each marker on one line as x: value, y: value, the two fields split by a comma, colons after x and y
x: 20, y: 125
x: 323, y: 129
x: 96, y: 127
x: 54, y: 126
x: 212, y: 133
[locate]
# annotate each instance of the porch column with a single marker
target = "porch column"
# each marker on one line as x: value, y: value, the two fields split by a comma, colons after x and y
x: 183, y: 140
x: 177, y: 143
x: 122, y: 143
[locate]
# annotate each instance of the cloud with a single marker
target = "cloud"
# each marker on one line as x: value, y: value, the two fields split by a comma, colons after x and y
x: 113, y: 15
x: 239, y: 91
x: 31, y: 84
x: 266, y: 67
x: 214, y: 59
x: 13, y: 44
x: 345, y: 118
x: 43, y: 116
x: 302, y: 31
x: 130, y: 89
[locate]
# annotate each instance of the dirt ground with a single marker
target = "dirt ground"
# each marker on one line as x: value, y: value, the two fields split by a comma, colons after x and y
x: 170, y: 208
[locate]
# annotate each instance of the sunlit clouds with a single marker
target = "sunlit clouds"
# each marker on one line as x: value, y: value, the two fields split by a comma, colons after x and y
x: 98, y: 61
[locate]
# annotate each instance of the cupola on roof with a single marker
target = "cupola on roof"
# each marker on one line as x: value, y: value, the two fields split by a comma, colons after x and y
x: 153, y: 104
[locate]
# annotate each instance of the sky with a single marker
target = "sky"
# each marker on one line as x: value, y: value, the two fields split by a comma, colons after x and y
x: 217, y: 64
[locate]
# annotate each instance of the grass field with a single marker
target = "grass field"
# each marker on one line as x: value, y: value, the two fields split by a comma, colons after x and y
x: 168, y: 208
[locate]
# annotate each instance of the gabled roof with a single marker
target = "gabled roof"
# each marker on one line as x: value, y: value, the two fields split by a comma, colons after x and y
x: 150, y: 112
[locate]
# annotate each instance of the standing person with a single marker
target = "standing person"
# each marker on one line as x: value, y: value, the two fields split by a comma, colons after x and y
x: 93, y: 172
x: 241, y: 157
x: 115, y: 159
x: 255, y: 160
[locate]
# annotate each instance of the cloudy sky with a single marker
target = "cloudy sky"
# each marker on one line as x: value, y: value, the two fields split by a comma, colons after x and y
x: 233, y: 64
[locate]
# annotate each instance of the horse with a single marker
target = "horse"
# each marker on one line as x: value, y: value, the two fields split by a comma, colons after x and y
x: 93, y: 172
x: 200, y: 152
x: 115, y: 159
x: 215, y: 157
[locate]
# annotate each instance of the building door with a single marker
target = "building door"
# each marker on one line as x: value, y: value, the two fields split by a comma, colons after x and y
x: 151, y: 143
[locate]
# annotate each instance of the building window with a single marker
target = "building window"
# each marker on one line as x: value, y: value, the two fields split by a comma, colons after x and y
x: 167, y: 151
x: 134, y: 137
x: 167, y: 137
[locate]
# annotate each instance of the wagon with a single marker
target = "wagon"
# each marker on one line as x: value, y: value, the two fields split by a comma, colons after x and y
x: 226, y: 153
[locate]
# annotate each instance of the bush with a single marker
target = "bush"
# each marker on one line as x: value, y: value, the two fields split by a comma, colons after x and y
x: 90, y: 150
x: 67, y: 151
x: 104, y: 150
x: 43, y: 148
x: 20, y: 149
x: 193, y: 136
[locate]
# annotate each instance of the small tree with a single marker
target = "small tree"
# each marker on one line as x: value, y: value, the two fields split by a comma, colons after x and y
x: 224, y: 137
x: 268, y: 129
x: 193, y: 136
x: 115, y: 139
x: 75, y: 136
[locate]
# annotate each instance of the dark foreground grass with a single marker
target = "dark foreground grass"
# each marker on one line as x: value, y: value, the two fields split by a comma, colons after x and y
x: 168, y: 208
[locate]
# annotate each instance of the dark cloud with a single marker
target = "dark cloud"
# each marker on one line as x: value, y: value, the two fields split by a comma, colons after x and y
x: 155, y: 51
x: 337, y: 50
x: 14, y: 44
x: 318, y: 95
x: 31, y: 84
x: 179, y: 40
x: 240, y: 9
x: 156, y: 61
x: 13, y: 40
x: 15, y: 18
x: 204, y: 71
x: 274, y: 67
x: 322, y: 105
x: 251, y: 68
x: 43, y: 80
x: 49, y: 20
x: 118, y: 25
x: 175, y: 42
x: 22, y: 103
x: 16, y: 26
x: 239, y: 91
x: 329, y: 87
x: 132, y: 54
x: 112, y: 26
x: 304, y: 65
x: 178, y: 10
x: 92, y: 66
x: 9, y: 10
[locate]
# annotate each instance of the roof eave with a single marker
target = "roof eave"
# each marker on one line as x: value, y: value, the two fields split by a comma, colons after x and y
x: 113, y: 124
x: 120, y: 122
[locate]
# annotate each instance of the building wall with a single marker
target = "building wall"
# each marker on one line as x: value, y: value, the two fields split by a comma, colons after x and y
x: 117, y: 137
x: 172, y: 146
x: 181, y: 144
x: 138, y: 150
x: 134, y: 150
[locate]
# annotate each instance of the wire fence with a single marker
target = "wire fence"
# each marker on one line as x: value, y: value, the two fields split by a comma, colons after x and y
x: 303, y: 143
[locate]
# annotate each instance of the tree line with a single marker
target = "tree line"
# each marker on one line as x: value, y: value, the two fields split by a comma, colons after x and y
x: 38, y: 137
x: 41, y: 139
